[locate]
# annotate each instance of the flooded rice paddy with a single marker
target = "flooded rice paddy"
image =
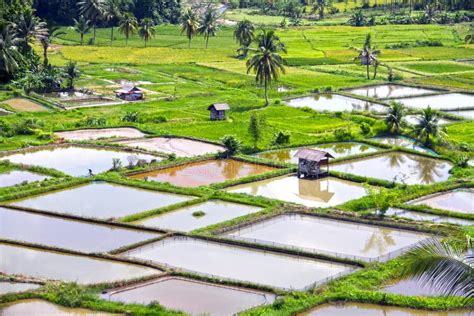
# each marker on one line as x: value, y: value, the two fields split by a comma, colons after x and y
x: 323, y: 192
x: 201, y: 298
x: 335, y: 103
x: 420, y: 216
x: 460, y: 200
x: 468, y: 114
x: 14, y: 177
x: 330, y: 236
x: 204, y: 172
x: 58, y: 266
x: 239, y: 263
x: 398, y: 167
x: 181, y: 147
x: 94, y: 134
x: 411, y: 287
x: 385, y: 91
x: 449, y: 101
x: 361, y: 309
x: 405, y: 142
x: 76, y: 161
x: 35, y: 307
x: 101, y: 200
x: 65, y: 233
x: 414, y: 119
x: 13, y: 287
x: 185, y: 219
x: 338, y: 150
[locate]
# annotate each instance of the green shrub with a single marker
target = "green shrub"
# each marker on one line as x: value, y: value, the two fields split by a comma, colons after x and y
x: 232, y: 144
x: 281, y: 138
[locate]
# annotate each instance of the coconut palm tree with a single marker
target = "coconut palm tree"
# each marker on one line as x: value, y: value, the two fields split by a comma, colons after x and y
x: 244, y: 34
x: 29, y: 27
x: 112, y: 12
x: 427, y: 126
x: 266, y: 63
x: 54, y: 32
x: 82, y: 26
x: 71, y: 73
x: 446, y: 268
x: 9, y: 55
x: 394, y: 117
x: 128, y: 25
x: 189, y: 24
x: 368, y: 55
x: 319, y: 6
x: 209, y: 25
x: 147, y: 29
x: 93, y: 11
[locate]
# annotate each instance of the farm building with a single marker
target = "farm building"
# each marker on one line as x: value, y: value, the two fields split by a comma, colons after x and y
x: 310, y: 162
x: 130, y: 93
x: 217, y: 111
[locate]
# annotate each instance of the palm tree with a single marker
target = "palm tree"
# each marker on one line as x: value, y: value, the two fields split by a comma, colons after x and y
x: 147, y: 29
x: 244, y: 34
x: 54, y: 32
x: 189, y: 24
x: 93, y: 11
x: 320, y: 6
x: 427, y: 126
x: 267, y: 64
x: 9, y: 55
x: 394, y: 118
x: 209, y: 26
x: 82, y: 26
x: 71, y: 73
x: 112, y: 13
x: 128, y: 25
x: 446, y: 268
x: 28, y: 27
x: 368, y: 56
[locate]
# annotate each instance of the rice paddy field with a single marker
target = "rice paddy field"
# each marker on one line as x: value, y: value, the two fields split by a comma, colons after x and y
x: 113, y: 207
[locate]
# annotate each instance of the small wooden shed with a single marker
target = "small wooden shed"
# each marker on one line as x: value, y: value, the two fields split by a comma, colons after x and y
x: 217, y: 111
x: 311, y: 161
x: 132, y: 93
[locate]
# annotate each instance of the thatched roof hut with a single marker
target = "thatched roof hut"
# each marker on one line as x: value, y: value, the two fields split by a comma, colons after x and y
x: 310, y: 162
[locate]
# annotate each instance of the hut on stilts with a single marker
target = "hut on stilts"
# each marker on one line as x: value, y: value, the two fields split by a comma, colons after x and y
x: 313, y: 163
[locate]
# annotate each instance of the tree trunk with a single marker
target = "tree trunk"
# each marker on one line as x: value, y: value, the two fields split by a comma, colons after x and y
x: 368, y: 75
x: 126, y: 40
x: 111, y: 35
x: 146, y: 42
x: 375, y: 72
x: 207, y: 40
x: 189, y: 42
x: 45, y: 56
x: 94, y: 34
x: 266, y: 93
x: 82, y: 39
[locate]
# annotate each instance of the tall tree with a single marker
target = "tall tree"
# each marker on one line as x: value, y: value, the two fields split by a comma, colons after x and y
x: 244, y: 34
x: 54, y: 32
x: 82, y: 26
x: 446, y: 268
x: 427, y: 126
x: 189, y: 24
x: 320, y: 6
x: 71, y: 73
x: 209, y: 25
x: 368, y: 56
x: 93, y: 10
x: 112, y: 12
x: 394, y: 117
x: 266, y: 63
x: 147, y: 29
x: 9, y: 55
x: 29, y: 27
x: 128, y: 25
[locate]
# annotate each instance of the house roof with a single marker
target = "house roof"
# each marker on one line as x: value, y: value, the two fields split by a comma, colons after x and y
x: 313, y: 154
x: 128, y: 90
x: 219, y: 106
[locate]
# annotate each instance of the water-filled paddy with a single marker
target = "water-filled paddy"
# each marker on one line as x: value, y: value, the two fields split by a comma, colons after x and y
x: 469, y: 114
x: 13, y: 287
x: 64, y: 233
x: 361, y: 309
x: 414, y: 119
x: 330, y: 236
x: 93, y: 134
x: 389, y: 91
x: 239, y: 263
x: 323, y: 192
x: 398, y: 167
x: 405, y: 142
x: 181, y: 147
x: 449, y: 101
x: 101, y: 200
x: 335, y: 103
x: 204, y: 172
x: 37, y: 307
x: 201, y: 298
x: 420, y: 216
x: 14, y: 177
x: 460, y: 200
x: 76, y: 161
x: 185, y: 219
x: 338, y: 150
x: 59, y: 266
x: 411, y: 287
